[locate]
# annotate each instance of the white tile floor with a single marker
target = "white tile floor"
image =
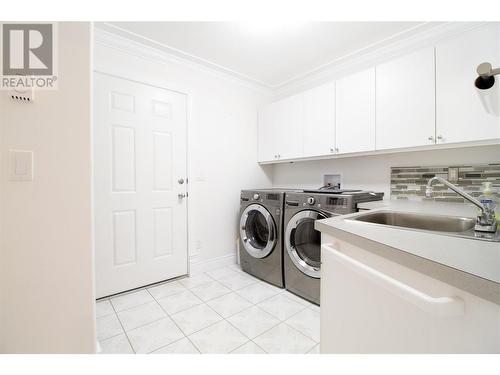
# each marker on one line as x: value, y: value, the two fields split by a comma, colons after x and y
x: 221, y: 311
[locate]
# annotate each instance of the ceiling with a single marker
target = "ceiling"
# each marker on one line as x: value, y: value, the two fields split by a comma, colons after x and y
x: 271, y: 54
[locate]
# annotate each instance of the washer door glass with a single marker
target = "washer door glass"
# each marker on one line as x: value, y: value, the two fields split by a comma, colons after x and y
x: 257, y: 231
x: 303, y: 242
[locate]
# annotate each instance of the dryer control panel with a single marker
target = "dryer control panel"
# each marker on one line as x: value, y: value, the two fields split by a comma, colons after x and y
x: 334, y: 203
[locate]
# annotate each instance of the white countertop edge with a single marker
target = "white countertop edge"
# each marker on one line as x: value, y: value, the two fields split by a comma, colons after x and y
x: 479, y: 258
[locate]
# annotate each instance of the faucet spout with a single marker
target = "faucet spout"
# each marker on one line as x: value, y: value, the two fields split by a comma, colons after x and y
x: 486, y: 221
x: 470, y: 198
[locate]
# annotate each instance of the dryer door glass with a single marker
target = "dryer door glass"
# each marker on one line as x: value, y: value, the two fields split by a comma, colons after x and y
x: 303, y: 242
x: 307, y: 242
x: 257, y: 231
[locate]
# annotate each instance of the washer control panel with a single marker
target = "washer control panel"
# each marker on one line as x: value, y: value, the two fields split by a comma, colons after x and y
x: 267, y: 198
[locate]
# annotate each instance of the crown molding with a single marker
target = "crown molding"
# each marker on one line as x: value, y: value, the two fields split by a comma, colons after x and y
x: 407, y: 41
x: 137, y: 47
x: 373, y: 55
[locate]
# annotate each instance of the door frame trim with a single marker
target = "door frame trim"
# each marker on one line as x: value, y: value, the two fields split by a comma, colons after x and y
x: 137, y: 77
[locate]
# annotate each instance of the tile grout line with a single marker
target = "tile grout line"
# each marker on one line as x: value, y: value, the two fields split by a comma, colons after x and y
x: 146, y: 288
x: 173, y: 342
x: 272, y: 315
x: 249, y: 341
x: 310, y: 338
x: 168, y: 314
x: 179, y: 328
x: 260, y: 347
x: 305, y: 307
x: 235, y: 291
x: 123, y: 328
x: 223, y: 318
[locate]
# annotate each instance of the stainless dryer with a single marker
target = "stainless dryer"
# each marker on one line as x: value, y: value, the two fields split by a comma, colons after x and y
x: 260, y: 227
x: 302, y: 243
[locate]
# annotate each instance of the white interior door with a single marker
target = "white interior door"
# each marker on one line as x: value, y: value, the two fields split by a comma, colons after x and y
x: 139, y: 172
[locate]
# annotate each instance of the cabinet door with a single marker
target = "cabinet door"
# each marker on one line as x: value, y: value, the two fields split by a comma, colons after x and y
x: 465, y: 113
x: 289, y: 117
x: 405, y: 101
x: 370, y: 304
x: 355, y: 111
x: 280, y: 129
x: 267, y: 134
x: 319, y: 120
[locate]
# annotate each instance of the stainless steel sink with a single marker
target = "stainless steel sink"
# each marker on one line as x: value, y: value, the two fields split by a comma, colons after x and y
x: 419, y: 221
x: 447, y: 225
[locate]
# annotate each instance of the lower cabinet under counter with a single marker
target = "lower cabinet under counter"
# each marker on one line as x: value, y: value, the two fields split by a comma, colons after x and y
x: 370, y: 304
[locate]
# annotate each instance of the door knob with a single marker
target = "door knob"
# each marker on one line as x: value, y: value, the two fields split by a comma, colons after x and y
x: 180, y: 181
x: 181, y: 195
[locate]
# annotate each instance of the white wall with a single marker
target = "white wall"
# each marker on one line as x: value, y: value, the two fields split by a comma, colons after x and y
x: 373, y: 172
x: 46, y: 256
x: 222, y: 139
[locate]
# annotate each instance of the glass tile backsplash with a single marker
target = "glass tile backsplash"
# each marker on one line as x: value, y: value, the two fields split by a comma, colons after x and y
x: 408, y: 183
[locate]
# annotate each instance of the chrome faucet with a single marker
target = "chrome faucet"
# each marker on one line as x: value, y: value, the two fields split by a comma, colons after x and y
x: 485, y: 221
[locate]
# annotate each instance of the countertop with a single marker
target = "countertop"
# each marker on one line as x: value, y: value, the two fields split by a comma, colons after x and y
x: 475, y: 257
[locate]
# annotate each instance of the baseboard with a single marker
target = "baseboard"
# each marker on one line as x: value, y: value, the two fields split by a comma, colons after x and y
x: 197, y: 267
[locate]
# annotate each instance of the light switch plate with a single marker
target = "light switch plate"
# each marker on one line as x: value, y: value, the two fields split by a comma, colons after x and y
x: 21, y: 165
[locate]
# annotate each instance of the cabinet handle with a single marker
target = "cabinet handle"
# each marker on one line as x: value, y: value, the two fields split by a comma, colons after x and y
x: 440, y: 137
x: 439, y: 306
x: 331, y: 149
x: 430, y: 138
x: 279, y: 156
x: 336, y: 149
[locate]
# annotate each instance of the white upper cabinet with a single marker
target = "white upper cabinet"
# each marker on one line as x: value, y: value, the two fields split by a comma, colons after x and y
x: 280, y: 129
x: 267, y: 134
x: 424, y: 98
x: 290, y: 113
x: 406, y: 101
x: 355, y: 111
x: 465, y: 113
x: 319, y: 120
